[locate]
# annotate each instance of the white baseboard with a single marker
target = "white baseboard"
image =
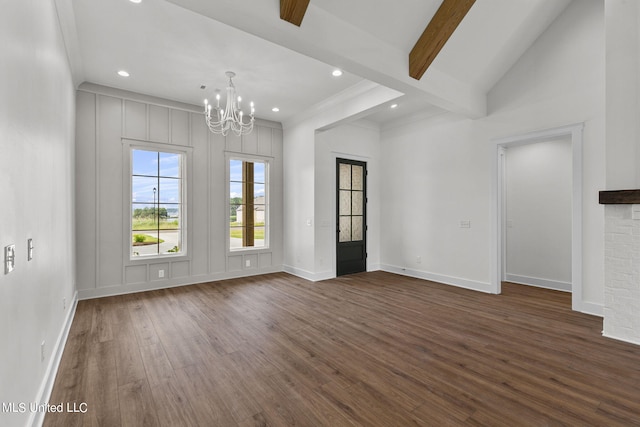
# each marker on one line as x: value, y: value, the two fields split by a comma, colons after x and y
x: 109, y: 291
x: 323, y: 275
x: 540, y: 283
x: 308, y: 275
x: 374, y: 267
x: 44, y: 393
x: 447, y: 280
x: 591, y: 308
x: 614, y: 337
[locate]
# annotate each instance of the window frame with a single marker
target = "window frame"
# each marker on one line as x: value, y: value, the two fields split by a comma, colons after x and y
x: 185, y: 170
x: 229, y: 157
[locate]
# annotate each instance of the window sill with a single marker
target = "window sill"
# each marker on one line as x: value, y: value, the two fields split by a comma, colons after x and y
x: 156, y: 258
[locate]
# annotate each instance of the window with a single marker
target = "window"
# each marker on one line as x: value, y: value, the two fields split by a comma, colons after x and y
x: 157, y: 210
x: 248, y: 203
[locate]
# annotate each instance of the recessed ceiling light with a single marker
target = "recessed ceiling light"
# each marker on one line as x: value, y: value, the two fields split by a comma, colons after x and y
x: 394, y: 106
x: 123, y: 73
x: 275, y: 109
x: 136, y: 1
x: 337, y: 73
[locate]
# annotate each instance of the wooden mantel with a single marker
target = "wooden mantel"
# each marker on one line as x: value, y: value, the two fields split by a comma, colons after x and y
x: 620, y: 197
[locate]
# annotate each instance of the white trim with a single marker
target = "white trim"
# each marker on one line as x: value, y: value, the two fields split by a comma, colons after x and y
x: 374, y: 267
x: 592, y: 308
x: 44, y: 393
x: 68, y: 28
x: 538, y: 282
x: 497, y: 206
x: 473, y: 285
x: 108, y: 291
x: 307, y: 275
x: 615, y: 337
x: 186, y: 177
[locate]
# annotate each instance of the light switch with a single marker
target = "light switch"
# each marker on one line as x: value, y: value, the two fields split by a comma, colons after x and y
x: 9, y: 258
x: 29, y: 249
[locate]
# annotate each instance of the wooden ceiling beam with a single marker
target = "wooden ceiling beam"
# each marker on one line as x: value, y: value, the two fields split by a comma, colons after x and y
x: 293, y: 10
x: 442, y: 25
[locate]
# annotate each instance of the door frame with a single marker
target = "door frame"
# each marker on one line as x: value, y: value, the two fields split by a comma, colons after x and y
x: 575, y: 131
x: 337, y: 157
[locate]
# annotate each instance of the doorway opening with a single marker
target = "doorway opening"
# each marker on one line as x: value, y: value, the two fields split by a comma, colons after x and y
x: 538, y: 214
x: 574, y: 133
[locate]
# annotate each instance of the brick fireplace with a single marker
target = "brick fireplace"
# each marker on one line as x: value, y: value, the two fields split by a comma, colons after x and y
x: 622, y: 264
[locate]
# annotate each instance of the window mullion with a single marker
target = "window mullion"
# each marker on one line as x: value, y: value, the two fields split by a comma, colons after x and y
x: 247, y: 189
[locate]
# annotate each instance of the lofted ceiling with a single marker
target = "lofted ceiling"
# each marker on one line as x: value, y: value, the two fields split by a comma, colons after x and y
x: 172, y: 47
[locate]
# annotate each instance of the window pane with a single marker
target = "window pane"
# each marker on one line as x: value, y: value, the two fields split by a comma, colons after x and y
x: 240, y: 214
x: 356, y: 205
x: 235, y: 237
x: 169, y: 190
x: 170, y: 241
x: 142, y: 189
x: 345, y: 202
x: 235, y: 170
x: 259, y: 173
x: 170, y: 165
x: 357, y: 178
x: 233, y: 217
x: 235, y: 192
x: 357, y: 229
x: 248, y: 221
x: 156, y: 203
x: 145, y: 162
x: 144, y: 243
x: 258, y: 215
x: 143, y: 217
x: 259, y: 237
x: 345, y: 229
x: 169, y: 216
x: 345, y: 177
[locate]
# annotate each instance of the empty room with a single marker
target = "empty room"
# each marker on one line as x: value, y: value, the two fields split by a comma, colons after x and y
x: 320, y: 213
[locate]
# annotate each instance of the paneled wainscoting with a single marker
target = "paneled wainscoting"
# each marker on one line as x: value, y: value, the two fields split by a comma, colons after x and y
x: 373, y: 349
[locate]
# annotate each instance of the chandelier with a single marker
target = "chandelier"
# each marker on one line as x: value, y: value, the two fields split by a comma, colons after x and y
x: 232, y: 116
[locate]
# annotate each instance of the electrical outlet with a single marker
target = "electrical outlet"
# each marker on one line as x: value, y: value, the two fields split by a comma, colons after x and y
x: 419, y: 260
x: 42, y: 352
x: 247, y: 263
x: 64, y: 304
x: 161, y: 273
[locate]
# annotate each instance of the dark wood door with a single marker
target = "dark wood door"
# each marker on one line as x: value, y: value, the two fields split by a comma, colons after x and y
x: 351, y: 216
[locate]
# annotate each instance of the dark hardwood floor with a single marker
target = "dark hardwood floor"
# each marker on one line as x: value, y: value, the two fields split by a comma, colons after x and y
x: 372, y: 349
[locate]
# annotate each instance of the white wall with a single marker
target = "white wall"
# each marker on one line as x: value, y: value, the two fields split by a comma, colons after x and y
x: 442, y: 168
x: 107, y: 121
x: 623, y: 91
x: 436, y: 174
x: 356, y: 141
x: 36, y: 201
x: 538, y: 214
